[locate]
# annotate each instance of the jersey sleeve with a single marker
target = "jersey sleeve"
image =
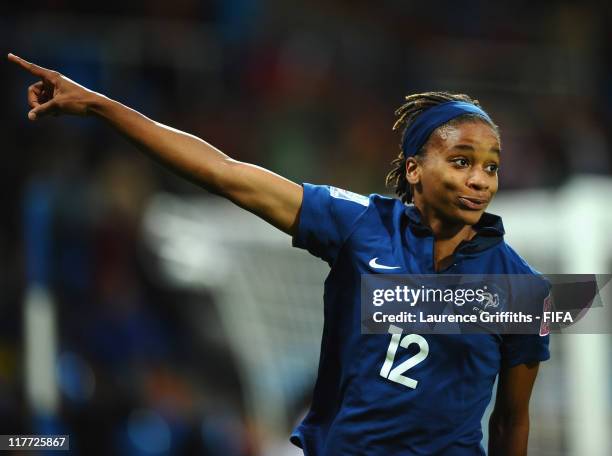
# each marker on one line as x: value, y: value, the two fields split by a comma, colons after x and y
x: 327, y: 217
x: 528, y: 348
x: 524, y: 349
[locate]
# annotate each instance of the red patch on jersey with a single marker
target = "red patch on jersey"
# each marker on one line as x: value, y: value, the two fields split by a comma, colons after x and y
x: 547, y: 307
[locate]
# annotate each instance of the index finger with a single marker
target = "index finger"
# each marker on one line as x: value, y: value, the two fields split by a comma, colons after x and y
x: 31, y: 67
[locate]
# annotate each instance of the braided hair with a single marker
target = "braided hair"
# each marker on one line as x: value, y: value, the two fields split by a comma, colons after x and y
x: 406, y: 114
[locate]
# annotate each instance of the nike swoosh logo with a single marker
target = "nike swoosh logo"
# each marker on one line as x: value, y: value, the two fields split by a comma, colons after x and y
x: 374, y: 264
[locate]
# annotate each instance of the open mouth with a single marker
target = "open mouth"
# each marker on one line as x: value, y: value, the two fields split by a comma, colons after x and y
x: 474, y: 204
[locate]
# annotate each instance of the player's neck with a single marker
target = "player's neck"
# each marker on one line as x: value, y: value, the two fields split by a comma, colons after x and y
x: 444, y: 230
x: 447, y: 236
x: 445, y: 246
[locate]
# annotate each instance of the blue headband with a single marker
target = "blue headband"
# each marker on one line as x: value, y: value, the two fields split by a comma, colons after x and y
x: 425, y: 123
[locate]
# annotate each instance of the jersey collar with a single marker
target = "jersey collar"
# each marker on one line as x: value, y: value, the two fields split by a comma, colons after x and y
x: 489, y: 230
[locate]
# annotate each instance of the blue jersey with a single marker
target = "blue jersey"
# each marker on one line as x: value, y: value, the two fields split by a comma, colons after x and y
x: 399, y: 394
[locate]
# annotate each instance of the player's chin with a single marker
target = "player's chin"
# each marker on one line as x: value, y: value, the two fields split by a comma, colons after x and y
x: 468, y: 216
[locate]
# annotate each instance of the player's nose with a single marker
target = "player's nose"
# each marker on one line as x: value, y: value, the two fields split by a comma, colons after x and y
x: 478, y: 180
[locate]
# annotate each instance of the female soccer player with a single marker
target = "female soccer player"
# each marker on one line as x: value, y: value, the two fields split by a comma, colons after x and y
x: 367, y: 399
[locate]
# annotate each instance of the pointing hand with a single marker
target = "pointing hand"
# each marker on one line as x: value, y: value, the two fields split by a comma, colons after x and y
x: 54, y: 94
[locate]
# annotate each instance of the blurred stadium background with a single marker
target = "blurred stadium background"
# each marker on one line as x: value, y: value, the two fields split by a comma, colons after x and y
x: 144, y: 317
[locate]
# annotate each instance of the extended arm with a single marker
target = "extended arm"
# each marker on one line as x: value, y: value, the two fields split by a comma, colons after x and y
x: 509, y: 423
x: 268, y: 195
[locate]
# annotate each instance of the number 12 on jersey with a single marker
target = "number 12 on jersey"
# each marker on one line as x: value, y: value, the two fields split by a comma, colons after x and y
x: 396, y: 374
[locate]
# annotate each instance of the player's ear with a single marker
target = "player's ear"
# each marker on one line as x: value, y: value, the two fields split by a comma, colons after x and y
x: 413, y: 170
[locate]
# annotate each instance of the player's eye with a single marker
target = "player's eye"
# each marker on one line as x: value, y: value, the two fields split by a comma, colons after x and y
x: 460, y: 162
x: 493, y: 168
